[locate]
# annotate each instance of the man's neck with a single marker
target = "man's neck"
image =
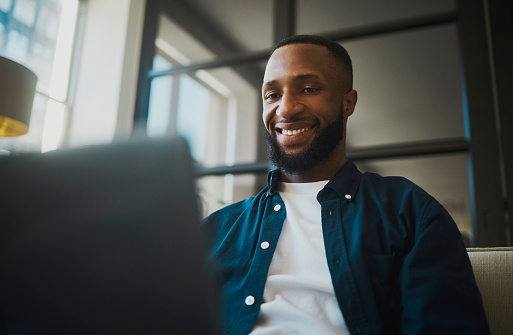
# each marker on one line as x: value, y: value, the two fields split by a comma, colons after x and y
x: 323, y: 171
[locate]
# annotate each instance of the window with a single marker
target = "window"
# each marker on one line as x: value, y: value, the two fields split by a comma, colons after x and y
x: 182, y: 105
x: 215, y: 110
x: 40, y: 35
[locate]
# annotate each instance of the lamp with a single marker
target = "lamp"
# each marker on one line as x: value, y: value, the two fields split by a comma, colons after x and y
x: 17, y: 89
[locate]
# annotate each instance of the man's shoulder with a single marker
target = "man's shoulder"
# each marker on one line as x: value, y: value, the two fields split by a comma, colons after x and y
x: 394, y: 183
x: 351, y: 178
x: 395, y: 189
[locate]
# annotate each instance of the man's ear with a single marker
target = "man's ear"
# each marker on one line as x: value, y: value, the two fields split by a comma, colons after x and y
x: 350, y: 99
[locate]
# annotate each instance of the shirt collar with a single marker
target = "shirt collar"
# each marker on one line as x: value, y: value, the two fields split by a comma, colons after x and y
x: 345, y: 182
x: 273, y: 178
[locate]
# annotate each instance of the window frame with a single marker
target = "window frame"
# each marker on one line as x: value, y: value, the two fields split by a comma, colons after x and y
x: 487, y: 163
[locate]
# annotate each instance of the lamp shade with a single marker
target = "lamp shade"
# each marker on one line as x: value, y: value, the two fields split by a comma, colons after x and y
x: 17, y: 89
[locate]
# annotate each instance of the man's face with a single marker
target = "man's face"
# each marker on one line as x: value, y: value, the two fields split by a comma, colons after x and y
x: 302, y: 106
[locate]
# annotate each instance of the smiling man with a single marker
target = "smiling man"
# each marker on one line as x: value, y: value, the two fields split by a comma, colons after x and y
x: 325, y: 249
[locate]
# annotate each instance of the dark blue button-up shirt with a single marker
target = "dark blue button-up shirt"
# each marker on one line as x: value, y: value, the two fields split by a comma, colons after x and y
x: 396, y: 258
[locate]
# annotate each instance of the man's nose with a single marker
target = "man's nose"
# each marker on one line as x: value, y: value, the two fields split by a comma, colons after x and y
x: 289, y: 106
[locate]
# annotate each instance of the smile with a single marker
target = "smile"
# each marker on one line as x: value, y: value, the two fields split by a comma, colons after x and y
x: 294, y: 132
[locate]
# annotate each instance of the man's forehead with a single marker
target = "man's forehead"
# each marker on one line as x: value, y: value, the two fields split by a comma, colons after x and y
x: 298, y: 60
x: 299, y: 52
x: 296, y: 77
x: 304, y: 47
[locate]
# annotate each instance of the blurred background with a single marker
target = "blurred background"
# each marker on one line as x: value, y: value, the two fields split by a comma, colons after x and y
x: 434, y: 79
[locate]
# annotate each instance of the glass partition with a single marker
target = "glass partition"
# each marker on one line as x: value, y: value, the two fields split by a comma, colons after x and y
x: 409, y: 88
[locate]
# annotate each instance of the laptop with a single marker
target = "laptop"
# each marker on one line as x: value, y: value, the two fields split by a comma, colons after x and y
x: 103, y: 240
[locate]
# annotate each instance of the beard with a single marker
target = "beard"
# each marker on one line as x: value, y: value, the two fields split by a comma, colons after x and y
x: 323, y: 145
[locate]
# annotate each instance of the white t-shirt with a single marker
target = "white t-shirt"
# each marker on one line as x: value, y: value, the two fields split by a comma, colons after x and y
x: 299, y: 296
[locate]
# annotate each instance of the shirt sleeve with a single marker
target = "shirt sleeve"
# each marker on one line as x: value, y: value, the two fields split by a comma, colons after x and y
x: 436, y: 282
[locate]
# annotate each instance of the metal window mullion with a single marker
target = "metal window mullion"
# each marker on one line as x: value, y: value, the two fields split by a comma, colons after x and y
x: 484, y: 168
x: 220, y: 62
x: 142, y: 100
x: 392, y: 151
x: 284, y: 19
x: 419, y: 148
x: 391, y: 27
x: 501, y: 36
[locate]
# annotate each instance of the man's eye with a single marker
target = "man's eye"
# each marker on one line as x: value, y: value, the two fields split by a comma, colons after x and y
x: 309, y: 90
x: 272, y: 96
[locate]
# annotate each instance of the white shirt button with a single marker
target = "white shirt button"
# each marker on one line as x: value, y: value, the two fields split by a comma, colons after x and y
x: 250, y: 300
x: 264, y: 245
x: 277, y: 208
x: 348, y: 196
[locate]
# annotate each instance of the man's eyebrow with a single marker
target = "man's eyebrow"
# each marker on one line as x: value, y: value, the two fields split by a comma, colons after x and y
x: 306, y: 76
x: 299, y: 77
x: 269, y: 83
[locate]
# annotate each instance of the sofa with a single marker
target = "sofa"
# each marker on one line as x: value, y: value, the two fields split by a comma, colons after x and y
x: 493, y: 269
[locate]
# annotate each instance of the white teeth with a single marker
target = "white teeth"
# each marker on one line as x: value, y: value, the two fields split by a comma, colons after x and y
x: 293, y: 132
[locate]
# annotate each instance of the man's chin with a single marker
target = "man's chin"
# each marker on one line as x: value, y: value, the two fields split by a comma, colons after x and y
x: 293, y: 152
x: 292, y: 162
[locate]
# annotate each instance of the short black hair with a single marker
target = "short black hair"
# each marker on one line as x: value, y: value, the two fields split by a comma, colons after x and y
x: 335, y: 49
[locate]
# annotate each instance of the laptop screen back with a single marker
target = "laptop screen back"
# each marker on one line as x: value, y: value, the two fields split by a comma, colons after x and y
x: 103, y: 240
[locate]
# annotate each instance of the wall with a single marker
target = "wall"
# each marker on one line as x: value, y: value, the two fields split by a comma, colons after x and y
x: 106, y: 77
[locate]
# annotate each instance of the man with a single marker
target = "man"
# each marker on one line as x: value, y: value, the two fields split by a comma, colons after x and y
x: 325, y: 249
